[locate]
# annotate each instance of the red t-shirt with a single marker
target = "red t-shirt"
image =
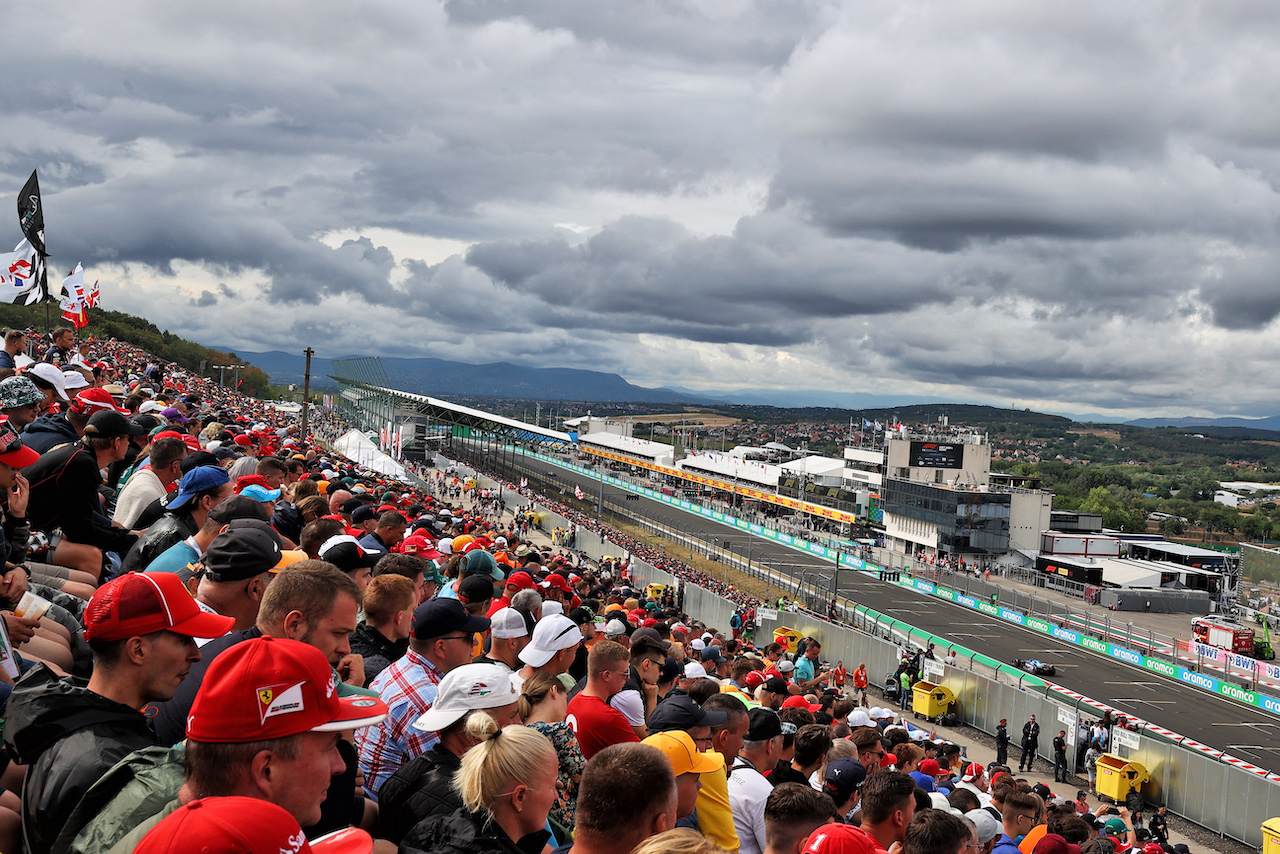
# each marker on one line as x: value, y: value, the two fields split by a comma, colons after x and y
x: 498, y: 604
x: 597, y: 724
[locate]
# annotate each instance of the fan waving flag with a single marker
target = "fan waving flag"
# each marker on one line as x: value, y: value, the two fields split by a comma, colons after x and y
x: 91, y: 301
x: 577, y: 493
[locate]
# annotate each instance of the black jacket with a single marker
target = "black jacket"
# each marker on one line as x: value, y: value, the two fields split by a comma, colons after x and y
x: 1030, y: 734
x: 69, y: 736
x: 463, y: 832
x: 64, y: 494
x: 48, y: 432
x: 169, y: 530
x: 420, y: 788
x: 378, y: 650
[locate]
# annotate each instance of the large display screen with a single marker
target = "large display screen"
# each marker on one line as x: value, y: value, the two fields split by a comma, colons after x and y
x: 937, y: 455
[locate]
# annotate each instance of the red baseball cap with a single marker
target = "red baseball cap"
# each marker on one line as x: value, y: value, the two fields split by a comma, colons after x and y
x: 753, y: 680
x: 91, y: 400
x: 839, y: 839
x: 242, y: 440
x: 12, y: 452
x: 973, y: 771
x: 929, y: 767
x: 269, y: 688
x: 521, y: 579
x: 554, y: 580
x: 240, y: 825
x: 141, y: 603
x: 798, y: 702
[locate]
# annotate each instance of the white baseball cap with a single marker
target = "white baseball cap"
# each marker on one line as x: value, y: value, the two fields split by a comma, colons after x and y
x: 694, y: 670
x: 697, y: 644
x: 985, y: 822
x: 445, y: 546
x: 552, y: 634
x: 50, y: 374
x: 859, y: 717
x: 785, y: 666
x: 508, y: 623
x: 465, y: 688
x: 73, y: 380
x: 551, y: 607
x: 615, y: 628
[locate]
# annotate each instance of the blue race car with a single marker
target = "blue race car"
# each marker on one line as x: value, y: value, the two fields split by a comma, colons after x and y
x: 1035, y: 667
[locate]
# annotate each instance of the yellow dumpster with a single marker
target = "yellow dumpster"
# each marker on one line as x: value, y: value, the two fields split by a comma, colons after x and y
x: 1271, y: 836
x: 1118, y: 777
x: 930, y: 700
x: 787, y: 638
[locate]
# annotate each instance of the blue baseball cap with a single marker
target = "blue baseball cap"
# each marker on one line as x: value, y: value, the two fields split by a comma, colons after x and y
x: 199, y: 479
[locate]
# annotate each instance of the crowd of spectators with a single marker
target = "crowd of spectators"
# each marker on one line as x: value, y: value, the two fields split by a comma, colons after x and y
x: 220, y: 636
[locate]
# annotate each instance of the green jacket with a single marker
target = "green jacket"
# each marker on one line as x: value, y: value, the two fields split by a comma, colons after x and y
x: 133, y: 795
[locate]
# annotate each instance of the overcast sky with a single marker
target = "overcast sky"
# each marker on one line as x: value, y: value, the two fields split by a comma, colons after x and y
x: 1072, y: 206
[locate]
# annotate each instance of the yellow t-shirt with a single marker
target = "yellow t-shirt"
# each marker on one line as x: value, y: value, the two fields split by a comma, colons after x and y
x: 715, y: 816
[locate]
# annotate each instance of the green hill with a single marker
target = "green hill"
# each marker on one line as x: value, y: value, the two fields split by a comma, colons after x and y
x: 141, y: 333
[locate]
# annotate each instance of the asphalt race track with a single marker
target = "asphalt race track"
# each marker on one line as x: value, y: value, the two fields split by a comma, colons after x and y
x: 1249, y: 734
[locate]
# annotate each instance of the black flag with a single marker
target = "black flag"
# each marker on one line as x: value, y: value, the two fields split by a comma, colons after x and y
x: 31, y: 214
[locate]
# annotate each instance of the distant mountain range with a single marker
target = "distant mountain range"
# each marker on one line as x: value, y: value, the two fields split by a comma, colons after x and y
x: 444, y: 378
x: 1271, y: 423
x: 505, y: 380
x: 499, y: 379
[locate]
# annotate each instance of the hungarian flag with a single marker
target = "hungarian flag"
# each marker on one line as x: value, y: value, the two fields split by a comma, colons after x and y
x: 20, y: 275
x: 577, y: 493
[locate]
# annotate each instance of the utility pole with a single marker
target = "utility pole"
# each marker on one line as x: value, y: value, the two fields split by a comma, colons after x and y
x: 306, y: 390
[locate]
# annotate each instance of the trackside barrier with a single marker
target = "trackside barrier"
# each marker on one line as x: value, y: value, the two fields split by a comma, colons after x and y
x: 1219, y: 792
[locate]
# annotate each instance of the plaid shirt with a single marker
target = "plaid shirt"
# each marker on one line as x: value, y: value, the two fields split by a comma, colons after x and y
x: 408, y: 687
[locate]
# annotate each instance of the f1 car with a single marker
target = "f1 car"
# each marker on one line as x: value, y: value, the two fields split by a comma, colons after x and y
x: 1035, y: 667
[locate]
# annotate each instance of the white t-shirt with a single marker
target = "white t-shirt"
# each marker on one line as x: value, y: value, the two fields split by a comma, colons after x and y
x: 143, y: 488
x: 748, y: 791
x: 631, y: 704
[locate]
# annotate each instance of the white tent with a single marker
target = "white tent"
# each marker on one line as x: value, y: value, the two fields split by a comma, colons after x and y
x: 357, y: 447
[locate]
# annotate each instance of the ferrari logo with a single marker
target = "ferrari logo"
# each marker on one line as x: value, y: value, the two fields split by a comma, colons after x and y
x: 265, y: 696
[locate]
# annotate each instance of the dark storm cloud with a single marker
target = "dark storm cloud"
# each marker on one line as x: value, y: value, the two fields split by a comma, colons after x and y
x: 1074, y: 204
